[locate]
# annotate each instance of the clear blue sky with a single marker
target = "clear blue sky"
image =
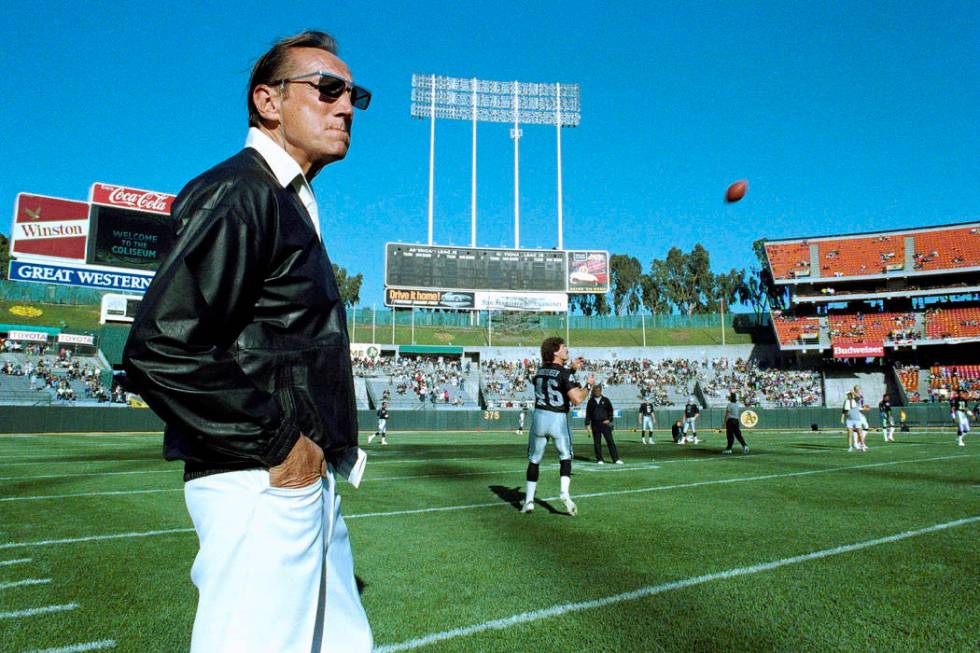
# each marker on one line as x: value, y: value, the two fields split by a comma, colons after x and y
x: 844, y: 116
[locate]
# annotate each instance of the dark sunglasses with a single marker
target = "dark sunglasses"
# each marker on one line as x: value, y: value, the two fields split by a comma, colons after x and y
x: 332, y: 87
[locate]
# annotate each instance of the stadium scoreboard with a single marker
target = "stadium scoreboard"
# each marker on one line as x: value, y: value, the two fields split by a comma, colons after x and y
x: 427, y: 267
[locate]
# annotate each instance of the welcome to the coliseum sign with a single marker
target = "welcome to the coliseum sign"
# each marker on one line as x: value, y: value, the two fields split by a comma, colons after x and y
x: 115, y: 240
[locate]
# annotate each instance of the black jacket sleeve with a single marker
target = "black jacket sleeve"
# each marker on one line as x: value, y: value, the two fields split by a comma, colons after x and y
x: 179, y: 350
x: 589, y: 411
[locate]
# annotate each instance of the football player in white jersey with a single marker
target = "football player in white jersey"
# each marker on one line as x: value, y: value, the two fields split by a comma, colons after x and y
x: 961, y: 416
x: 852, y: 418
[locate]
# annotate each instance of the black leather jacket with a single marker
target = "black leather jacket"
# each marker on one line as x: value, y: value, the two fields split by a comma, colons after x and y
x: 240, y: 343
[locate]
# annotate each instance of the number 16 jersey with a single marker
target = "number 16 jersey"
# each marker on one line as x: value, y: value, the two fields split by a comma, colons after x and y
x: 551, y: 386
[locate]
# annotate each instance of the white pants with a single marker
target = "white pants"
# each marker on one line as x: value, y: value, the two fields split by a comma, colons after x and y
x: 382, y: 426
x: 274, y: 570
x: 962, y: 421
x: 647, y: 423
x: 690, y: 424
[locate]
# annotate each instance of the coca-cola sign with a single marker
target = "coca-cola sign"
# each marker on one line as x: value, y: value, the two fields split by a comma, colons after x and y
x: 132, y: 198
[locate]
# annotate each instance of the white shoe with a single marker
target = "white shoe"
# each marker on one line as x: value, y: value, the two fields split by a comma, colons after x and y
x: 745, y: 449
x: 644, y: 440
x: 850, y: 449
x: 620, y: 462
x: 697, y: 441
x: 864, y: 447
x: 569, y: 505
x: 384, y: 442
x: 961, y: 443
x: 528, y: 506
x: 600, y: 462
x: 371, y: 437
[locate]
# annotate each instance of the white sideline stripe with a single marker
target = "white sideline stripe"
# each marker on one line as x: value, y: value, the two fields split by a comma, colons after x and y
x: 95, y: 538
x: 25, y: 583
x: 656, y: 488
x: 650, y: 590
x: 17, y: 614
x: 65, y: 461
x: 78, y: 648
x: 18, y: 561
x: 148, y: 471
x: 497, y: 504
x: 90, y: 494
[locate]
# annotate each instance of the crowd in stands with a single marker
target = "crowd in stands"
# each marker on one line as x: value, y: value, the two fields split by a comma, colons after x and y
x: 57, y: 373
x: 873, y: 327
x: 909, y: 376
x: 754, y: 385
x: 508, y: 379
x: 429, y: 379
x: 947, y: 379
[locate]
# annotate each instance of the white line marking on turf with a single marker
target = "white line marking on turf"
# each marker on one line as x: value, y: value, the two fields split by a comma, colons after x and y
x: 494, y: 504
x: 634, y: 467
x: 173, y: 471
x: 18, y: 561
x: 79, y: 648
x: 17, y: 614
x: 650, y: 590
x: 24, y: 583
x: 656, y: 488
x: 95, y: 538
x: 90, y: 494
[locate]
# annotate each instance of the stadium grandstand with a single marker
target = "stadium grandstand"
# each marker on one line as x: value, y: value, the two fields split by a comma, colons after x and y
x: 902, y: 304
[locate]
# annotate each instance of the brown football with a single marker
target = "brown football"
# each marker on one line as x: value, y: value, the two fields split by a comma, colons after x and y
x: 736, y: 191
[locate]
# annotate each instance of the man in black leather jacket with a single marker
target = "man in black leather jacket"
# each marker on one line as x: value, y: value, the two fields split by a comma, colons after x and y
x: 241, y: 346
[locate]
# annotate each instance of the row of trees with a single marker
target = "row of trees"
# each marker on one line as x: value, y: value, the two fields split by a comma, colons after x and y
x: 683, y: 282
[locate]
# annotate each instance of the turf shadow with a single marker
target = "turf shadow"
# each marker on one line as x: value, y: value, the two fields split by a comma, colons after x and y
x: 515, y: 498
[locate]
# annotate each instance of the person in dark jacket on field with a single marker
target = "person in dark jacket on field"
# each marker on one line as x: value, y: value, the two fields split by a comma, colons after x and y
x: 599, y: 416
x: 241, y: 346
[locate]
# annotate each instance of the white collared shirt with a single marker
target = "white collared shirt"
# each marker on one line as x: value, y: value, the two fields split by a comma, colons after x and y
x: 286, y: 170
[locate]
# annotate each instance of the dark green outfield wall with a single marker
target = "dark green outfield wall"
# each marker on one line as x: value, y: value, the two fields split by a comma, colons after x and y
x: 61, y: 419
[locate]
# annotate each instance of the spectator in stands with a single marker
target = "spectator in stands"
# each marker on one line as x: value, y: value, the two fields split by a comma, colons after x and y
x: 241, y: 345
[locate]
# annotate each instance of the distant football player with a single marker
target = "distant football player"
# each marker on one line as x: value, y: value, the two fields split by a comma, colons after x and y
x: 555, y: 391
x: 677, y: 432
x: 521, y: 418
x: 864, y: 408
x: 961, y: 416
x: 887, y: 421
x: 648, y: 420
x: 382, y: 424
x: 852, y: 418
x: 691, y: 413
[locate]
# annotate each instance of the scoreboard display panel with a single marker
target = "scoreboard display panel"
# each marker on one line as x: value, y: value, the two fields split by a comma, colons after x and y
x: 426, y: 267
x: 124, y: 238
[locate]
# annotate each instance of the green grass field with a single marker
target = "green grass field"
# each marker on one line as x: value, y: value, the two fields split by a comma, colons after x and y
x: 680, y: 549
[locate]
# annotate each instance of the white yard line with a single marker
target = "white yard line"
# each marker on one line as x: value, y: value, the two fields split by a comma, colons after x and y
x: 657, y: 488
x: 498, y: 503
x: 24, y: 583
x: 79, y: 648
x: 651, y: 590
x: 18, y: 561
x: 106, y: 493
x: 31, y: 612
x: 173, y: 470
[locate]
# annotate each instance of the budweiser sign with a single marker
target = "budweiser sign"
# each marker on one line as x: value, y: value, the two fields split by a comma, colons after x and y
x: 132, y: 198
x: 49, y: 227
x: 860, y: 350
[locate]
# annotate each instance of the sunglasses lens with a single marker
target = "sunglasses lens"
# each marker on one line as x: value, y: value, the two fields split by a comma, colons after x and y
x: 331, y: 87
x: 360, y: 97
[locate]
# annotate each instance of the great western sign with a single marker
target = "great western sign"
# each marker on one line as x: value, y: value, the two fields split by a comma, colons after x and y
x: 77, y: 275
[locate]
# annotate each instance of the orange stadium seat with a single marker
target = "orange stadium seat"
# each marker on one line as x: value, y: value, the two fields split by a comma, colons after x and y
x: 871, y: 327
x: 796, y: 330
x: 947, y: 248
x: 953, y: 323
x: 938, y: 249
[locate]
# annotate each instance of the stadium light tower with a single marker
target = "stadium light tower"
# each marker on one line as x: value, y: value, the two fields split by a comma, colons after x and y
x: 477, y: 100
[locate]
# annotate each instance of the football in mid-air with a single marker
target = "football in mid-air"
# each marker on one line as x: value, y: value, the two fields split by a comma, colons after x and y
x: 736, y: 191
